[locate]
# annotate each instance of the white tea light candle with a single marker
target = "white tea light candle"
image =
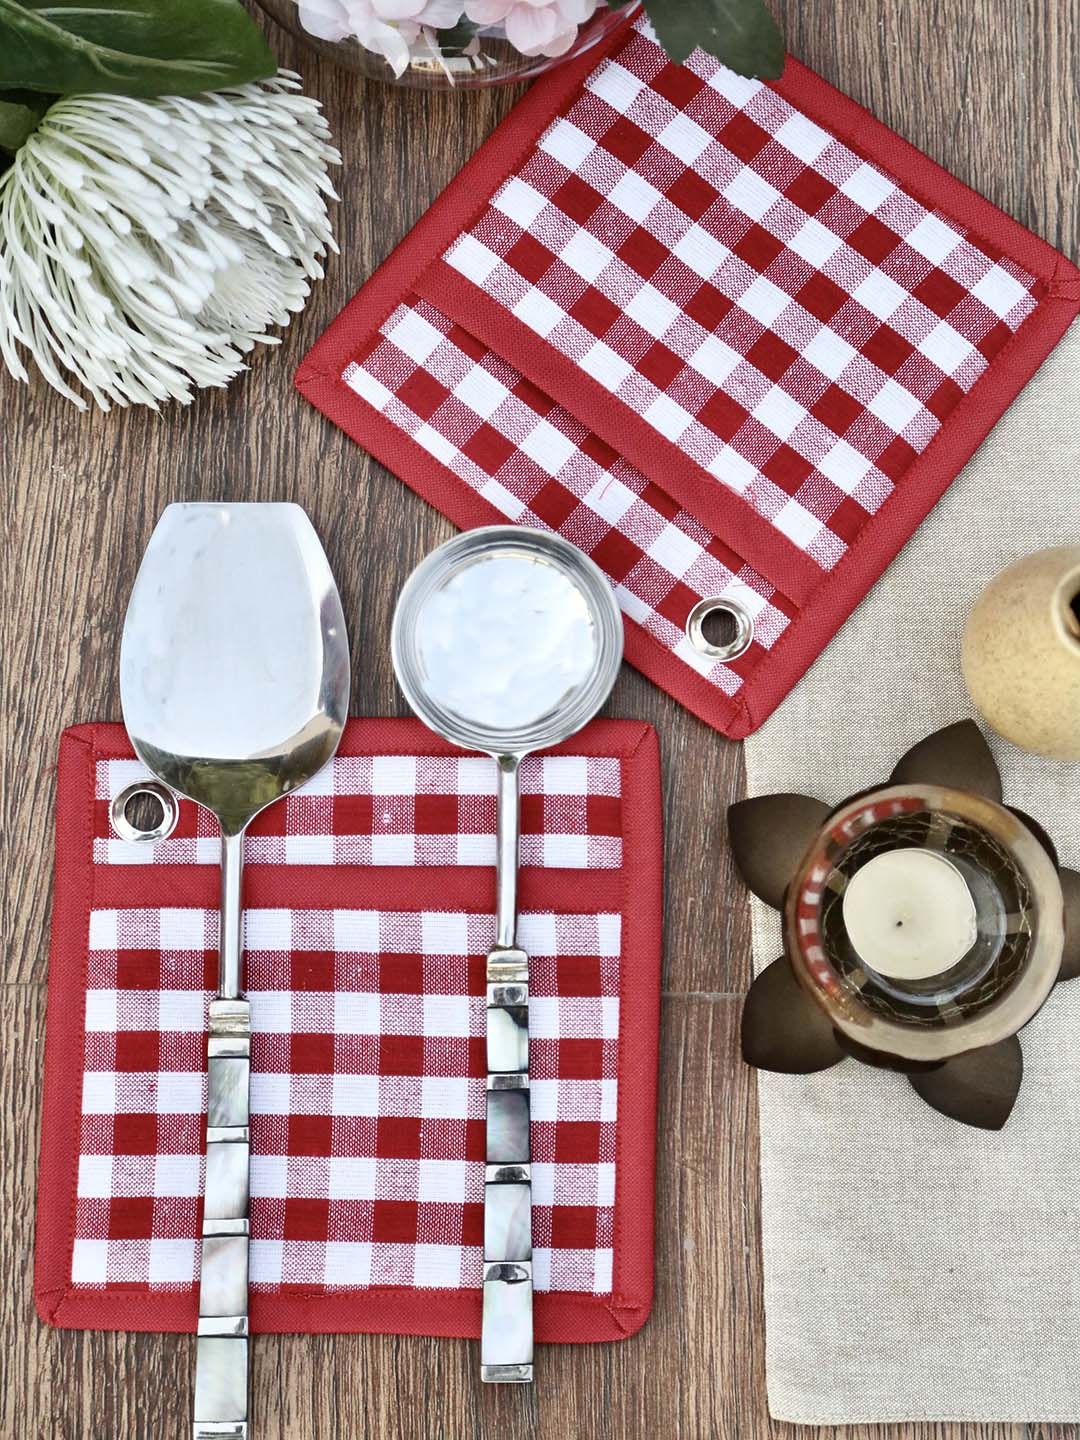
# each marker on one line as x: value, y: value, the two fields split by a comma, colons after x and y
x: 909, y: 914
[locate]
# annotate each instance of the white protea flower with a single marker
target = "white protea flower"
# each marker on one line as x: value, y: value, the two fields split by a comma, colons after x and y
x: 147, y: 245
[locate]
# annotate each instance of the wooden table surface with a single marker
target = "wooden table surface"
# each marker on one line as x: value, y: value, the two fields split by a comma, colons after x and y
x: 986, y: 87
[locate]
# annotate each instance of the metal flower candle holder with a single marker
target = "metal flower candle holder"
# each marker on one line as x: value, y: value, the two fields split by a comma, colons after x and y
x: 925, y: 923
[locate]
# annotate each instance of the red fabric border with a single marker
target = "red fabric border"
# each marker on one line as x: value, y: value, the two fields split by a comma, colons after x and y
x: 825, y: 599
x: 637, y: 889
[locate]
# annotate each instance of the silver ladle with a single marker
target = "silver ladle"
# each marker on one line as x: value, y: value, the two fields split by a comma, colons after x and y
x: 507, y: 641
x: 234, y: 682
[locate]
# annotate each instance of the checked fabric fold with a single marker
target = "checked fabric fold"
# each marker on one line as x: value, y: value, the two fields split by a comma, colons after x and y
x: 398, y: 810
x: 369, y: 896
x: 732, y: 339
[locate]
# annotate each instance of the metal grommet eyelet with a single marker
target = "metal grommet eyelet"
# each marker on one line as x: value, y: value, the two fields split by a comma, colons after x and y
x: 714, y: 605
x: 170, y: 812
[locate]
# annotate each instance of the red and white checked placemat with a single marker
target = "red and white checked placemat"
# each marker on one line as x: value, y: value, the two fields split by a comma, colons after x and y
x: 368, y: 918
x: 733, y: 339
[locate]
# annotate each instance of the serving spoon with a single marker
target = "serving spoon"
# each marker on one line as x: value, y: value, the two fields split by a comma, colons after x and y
x: 234, y: 683
x: 507, y: 641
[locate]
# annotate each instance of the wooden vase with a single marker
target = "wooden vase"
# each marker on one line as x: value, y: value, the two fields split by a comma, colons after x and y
x: 1021, y: 653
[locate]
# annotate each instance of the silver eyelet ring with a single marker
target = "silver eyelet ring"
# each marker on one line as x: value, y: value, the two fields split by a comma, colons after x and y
x: 170, y: 812
x: 714, y: 605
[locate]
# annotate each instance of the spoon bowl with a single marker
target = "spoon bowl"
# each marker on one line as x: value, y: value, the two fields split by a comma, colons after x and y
x: 234, y: 663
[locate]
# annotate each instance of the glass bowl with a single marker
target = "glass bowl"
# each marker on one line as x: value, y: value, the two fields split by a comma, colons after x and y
x: 462, y: 57
x: 1000, y: 878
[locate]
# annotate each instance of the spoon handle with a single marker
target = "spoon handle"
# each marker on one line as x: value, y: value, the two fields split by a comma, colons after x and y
x: 506, y: 1340
x: 221, y: 1361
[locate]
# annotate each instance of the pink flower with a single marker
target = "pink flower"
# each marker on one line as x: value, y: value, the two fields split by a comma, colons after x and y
x: 391, y: 27
x: 386, y: 27
x: 535, y: 27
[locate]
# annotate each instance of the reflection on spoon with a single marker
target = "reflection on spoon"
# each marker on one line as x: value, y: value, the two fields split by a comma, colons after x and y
x: 506, y: 639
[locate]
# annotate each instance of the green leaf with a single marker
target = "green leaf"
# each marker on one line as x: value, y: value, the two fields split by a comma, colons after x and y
x: 20, y: 112
x: 739, y: 33
x: 453, y: 39
x: 130, y: 47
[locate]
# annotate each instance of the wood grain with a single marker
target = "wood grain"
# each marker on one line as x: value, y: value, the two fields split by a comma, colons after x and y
x: 987, y: 87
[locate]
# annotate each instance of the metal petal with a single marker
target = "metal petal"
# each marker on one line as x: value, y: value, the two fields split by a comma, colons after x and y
x: 769, y: 835
x: 1070, y: 960
x: 880, y: 1060
x: 782, y: 1028
x: 1036, y: 830
x: 978, y: 1088
x: 957, y: 757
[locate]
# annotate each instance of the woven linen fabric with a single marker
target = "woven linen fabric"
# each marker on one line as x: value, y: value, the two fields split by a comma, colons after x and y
x: 916, y: 1268
x: 733, y: 339
x: 366, y: 981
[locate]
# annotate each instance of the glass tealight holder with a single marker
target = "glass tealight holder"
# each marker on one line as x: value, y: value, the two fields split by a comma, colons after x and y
x: 926, y: 922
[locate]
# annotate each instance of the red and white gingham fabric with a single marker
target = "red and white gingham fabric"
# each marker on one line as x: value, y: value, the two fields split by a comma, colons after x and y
x: 733, y: 339
x: 745, y: 282
x: 367, y: 1127
x: 397, y: 810
x: 366, y: 977
x: 539, y: 466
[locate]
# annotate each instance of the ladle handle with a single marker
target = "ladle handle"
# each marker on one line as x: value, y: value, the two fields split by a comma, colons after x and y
x: 506, y: 1339
x: 221, y: 1359
x: 507, y: 835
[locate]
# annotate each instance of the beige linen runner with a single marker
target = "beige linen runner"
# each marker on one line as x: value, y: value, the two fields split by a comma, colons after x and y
x: 916, y: 1268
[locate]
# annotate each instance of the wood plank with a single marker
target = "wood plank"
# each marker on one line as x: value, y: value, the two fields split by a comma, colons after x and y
x: 987, y: 89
